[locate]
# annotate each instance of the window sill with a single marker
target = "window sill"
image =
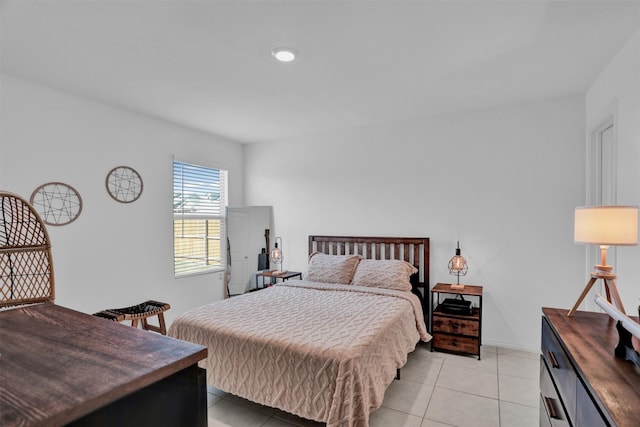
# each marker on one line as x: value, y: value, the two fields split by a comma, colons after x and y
x: 199, y: 273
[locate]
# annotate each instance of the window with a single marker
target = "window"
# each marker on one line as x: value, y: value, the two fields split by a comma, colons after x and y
x: 199, y: 201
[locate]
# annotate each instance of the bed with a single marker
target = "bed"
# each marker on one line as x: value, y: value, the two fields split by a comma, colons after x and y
x: 319, y: 348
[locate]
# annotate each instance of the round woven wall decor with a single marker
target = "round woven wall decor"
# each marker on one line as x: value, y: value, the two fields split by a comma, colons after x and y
x: 57, y: 203
x: 124, y: 184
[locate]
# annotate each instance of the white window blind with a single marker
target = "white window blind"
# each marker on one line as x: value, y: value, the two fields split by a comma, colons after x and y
x: 199, y: 201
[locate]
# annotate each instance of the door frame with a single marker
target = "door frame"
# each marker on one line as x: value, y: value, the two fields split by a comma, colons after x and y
x: 594, y: 175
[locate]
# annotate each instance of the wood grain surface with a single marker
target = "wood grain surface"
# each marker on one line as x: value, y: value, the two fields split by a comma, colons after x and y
x: 590, y: 339
x: 57, y: 364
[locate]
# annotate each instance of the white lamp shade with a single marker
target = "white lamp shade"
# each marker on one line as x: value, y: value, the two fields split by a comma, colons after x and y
x: 606, y: 225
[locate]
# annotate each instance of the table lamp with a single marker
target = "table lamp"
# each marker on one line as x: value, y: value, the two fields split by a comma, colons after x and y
x: 457, y: 267
x: 605, y: 226
x: 276, y: 254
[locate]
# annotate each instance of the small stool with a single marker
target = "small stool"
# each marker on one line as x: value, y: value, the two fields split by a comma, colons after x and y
x: 139, y: 312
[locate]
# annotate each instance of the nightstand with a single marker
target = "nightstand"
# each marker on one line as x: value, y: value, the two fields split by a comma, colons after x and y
x: 274, y: 275
x: 456, y: 331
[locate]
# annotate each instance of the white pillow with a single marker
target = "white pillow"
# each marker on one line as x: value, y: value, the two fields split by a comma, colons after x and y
x: 332, y: 268
x: 384, y: 273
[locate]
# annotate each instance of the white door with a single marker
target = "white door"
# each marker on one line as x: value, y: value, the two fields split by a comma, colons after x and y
x: 238, y: 235
x: 605, y: 184
x: 246, y: 227
x: 602, y: 190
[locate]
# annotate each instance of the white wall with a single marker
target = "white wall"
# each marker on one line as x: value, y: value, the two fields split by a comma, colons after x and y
x: 114, y: 254
x: 617, y: 92
x: 504, y: 181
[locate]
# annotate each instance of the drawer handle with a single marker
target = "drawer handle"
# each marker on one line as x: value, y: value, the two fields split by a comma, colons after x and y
x: 551, y: 408
x: 454, y: 326
x: 553, y: 360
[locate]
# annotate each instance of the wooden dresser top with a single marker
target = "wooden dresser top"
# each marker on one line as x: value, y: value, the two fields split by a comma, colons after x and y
x: 590, y: 339
x: 57, y: 364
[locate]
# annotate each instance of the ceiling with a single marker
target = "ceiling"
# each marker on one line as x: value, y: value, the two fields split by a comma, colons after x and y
x: 207, y: 64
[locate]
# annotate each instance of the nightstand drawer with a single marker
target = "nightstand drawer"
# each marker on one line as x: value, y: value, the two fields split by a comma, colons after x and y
x: 453, y: 331
x: 456, y: 326
x: 455, y: 343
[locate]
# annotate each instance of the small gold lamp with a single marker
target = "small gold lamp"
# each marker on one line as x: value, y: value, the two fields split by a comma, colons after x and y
x: 605, y: 226
x: 458, y: 267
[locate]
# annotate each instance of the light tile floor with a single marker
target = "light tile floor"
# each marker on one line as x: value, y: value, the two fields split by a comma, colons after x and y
x: 435, y: 390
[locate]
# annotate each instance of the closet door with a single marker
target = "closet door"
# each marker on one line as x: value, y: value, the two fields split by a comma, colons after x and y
x: 246, y: 227
x: 238, y: 270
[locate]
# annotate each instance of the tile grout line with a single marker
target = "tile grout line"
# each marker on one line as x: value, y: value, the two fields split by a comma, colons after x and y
x: 498, y: 381
x: 424, y: 416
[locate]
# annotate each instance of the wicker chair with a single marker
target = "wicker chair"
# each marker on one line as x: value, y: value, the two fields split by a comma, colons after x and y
x: 26, y: 267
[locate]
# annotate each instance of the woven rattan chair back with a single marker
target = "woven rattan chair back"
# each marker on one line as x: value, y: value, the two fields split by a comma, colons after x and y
x: 26, y: 267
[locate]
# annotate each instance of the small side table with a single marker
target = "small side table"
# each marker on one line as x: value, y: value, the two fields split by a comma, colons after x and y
x: 458, y: 333
x: 274, y: 275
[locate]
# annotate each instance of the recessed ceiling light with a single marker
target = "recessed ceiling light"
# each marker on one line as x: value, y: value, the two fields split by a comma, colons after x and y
x: 284, y: 54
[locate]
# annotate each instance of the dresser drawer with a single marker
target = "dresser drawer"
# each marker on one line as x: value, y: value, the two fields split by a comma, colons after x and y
x: 552, y: 413
x: 456, y: 326
x: 587, y: 413
x: 455, y: 343
x: 545, y: 421
x: 560, y: 368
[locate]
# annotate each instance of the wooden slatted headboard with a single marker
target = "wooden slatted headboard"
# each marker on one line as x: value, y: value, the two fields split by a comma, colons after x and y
x: 414, y: 250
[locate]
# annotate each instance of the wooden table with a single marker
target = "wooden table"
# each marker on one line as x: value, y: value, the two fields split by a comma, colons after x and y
x: 59, y: 366
x: 275, y: 274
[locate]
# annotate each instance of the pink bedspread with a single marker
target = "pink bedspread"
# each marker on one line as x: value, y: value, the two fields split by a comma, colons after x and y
x: 320, y: 351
